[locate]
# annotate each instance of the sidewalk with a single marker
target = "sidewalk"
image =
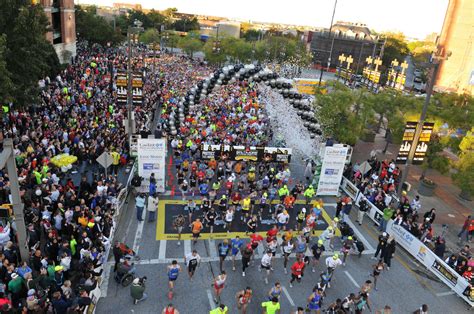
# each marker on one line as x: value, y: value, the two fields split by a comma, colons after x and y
x: 450, y: 209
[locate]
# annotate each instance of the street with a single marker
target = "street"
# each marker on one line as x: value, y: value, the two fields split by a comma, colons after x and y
x: 404, y: 287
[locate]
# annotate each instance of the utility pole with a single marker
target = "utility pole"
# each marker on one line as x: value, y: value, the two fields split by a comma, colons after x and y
x: 7, y: 159
x: 429, y: 91
x: 332, y: 44
x: 129, y: 88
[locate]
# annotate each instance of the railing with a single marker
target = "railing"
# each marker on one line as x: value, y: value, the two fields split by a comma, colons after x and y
x: 412, y: 245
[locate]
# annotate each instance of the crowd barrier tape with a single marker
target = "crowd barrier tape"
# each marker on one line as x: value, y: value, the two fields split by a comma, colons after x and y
x: 412, y: 245
x: 118, y: 203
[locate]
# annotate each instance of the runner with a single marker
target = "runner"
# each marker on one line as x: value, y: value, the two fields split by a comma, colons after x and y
x: 221, y: 309
x: 377, y: 269
x: 272, y: 306
x: 314, y: 301
x: 326, y: 236
x: 255, y: 240
x: 252, y: 225
x: 170, y: 309
x: 317, y: 249
x: 223, y: 249
x: 192, y: 260
x: 219, y: 283
x: 297, y: 271
x: 283, y: 218
x: 287, y: 248
x: 229, y: 217
x: 244, y: 297
x: 236, y: 245
x: 275, y: 291
x: 173, y: 272
x: 300, y: 218
x: 360, y: 302
x: 190, y: 208
x: 210, y: 219
x: 196, y: 228
x: 346, y: 248
x: 266, y: 264
x: 178, y: 224
x: 332, y: 262
x: 247, y: 253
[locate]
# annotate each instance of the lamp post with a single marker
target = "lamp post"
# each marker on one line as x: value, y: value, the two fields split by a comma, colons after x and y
x: 131, y: 32
x: 360, y: 56
x: 434, y: 65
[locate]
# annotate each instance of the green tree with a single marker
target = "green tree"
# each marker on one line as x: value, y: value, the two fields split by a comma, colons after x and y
x: 27, y: 54
x: 95, y: 28
x: 186, y: 24
x: 150, y: 36
x: 6, y: 85
x: 395, y: 48
x: 190, y: 44
x: 464, y: 177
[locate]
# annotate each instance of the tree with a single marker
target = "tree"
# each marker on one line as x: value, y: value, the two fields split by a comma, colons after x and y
x: 27, y: 55
x: 343, y: 113
x: 190, y: 44
x: 150, y: 36
x: 464, y: 178
x: 395, y: 48
x: 186, y: 24
x: 95, y: 28
x: 6, y: 85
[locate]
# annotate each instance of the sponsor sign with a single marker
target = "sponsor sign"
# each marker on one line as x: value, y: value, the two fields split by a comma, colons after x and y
x: 407, y: 142
x: 246, y: 153
x: 137, y: 88
x: 331, y: 170
x: 422, y: 145
x: 151, y: 155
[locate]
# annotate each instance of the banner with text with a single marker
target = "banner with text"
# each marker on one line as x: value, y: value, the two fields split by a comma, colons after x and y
x: 407, y: 142
x: 151, y: 154
x: 332, y: 170
x: 246, y: 153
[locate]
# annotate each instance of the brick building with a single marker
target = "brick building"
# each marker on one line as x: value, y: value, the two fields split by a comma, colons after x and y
x: 61, y: 15
x: 456, y: 74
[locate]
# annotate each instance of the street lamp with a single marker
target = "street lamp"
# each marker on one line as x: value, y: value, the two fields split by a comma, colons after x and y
x: 434, y: 65
x: 132, y: 30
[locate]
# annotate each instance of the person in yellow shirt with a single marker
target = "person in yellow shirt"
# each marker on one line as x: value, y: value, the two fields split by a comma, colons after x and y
x: 271, y: 307
x: 246, y: 204
x: 115, y: 162
x: 221, y: 309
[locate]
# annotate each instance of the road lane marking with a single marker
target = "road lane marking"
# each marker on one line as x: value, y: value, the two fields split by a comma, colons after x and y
x: 211, y: 299
x: 162, y: 250
x: 443, y: 294
x: 187, y: 247
x: 212, y: 249
x: 105, y: 280
x: 287, y: 295
x: 351, y: 279
x: 260, y: 250
x: 138, y: 234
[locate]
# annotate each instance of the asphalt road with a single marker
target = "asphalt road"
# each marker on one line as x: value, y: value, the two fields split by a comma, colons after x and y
x: 404, y: 287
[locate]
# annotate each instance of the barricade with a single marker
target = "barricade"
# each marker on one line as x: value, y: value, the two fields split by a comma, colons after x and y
x: 412, y: 245
x: 118, y: 203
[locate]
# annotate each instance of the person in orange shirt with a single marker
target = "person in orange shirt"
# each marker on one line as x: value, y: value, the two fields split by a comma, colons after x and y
x: 289, y: 201
x: 212, y: 164
x: 196, y: 228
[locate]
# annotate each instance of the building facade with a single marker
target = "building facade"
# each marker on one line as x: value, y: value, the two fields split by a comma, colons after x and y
x: 456, y: 73
x: 345, y: 38
x: 62, y: 18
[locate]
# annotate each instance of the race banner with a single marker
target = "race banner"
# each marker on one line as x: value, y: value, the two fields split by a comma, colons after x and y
x: 407, y: 142
x: 137, y: 88
x: 332, y: 170
x: 246, y: 153
x: 151, y: 154
x: 422, y: 145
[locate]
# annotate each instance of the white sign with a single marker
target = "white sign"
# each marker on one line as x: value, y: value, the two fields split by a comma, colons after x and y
x: 151, y: 155
x: 105, y: 159
x: 331, y: 170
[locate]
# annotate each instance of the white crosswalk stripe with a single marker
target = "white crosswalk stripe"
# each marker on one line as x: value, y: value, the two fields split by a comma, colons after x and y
x: 162, y: 250
x: 212, y: 249
x: 187, y: 247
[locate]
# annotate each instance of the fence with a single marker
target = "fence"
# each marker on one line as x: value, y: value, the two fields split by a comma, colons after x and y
x: 412, y: 245
x: 118, y: 203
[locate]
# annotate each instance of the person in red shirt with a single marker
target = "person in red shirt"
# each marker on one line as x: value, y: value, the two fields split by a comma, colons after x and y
x: 271, y: 234
x: 255, y: 239
x: 297, y: 271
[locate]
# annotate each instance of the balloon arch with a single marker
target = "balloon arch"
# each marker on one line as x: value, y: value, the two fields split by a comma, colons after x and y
x: 250, y: 73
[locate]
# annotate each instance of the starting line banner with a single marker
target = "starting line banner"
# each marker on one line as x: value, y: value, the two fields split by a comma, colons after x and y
x: 331, y: 171
x: 413, y: 245
x: 151, y: 154
x: 246, y: 153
